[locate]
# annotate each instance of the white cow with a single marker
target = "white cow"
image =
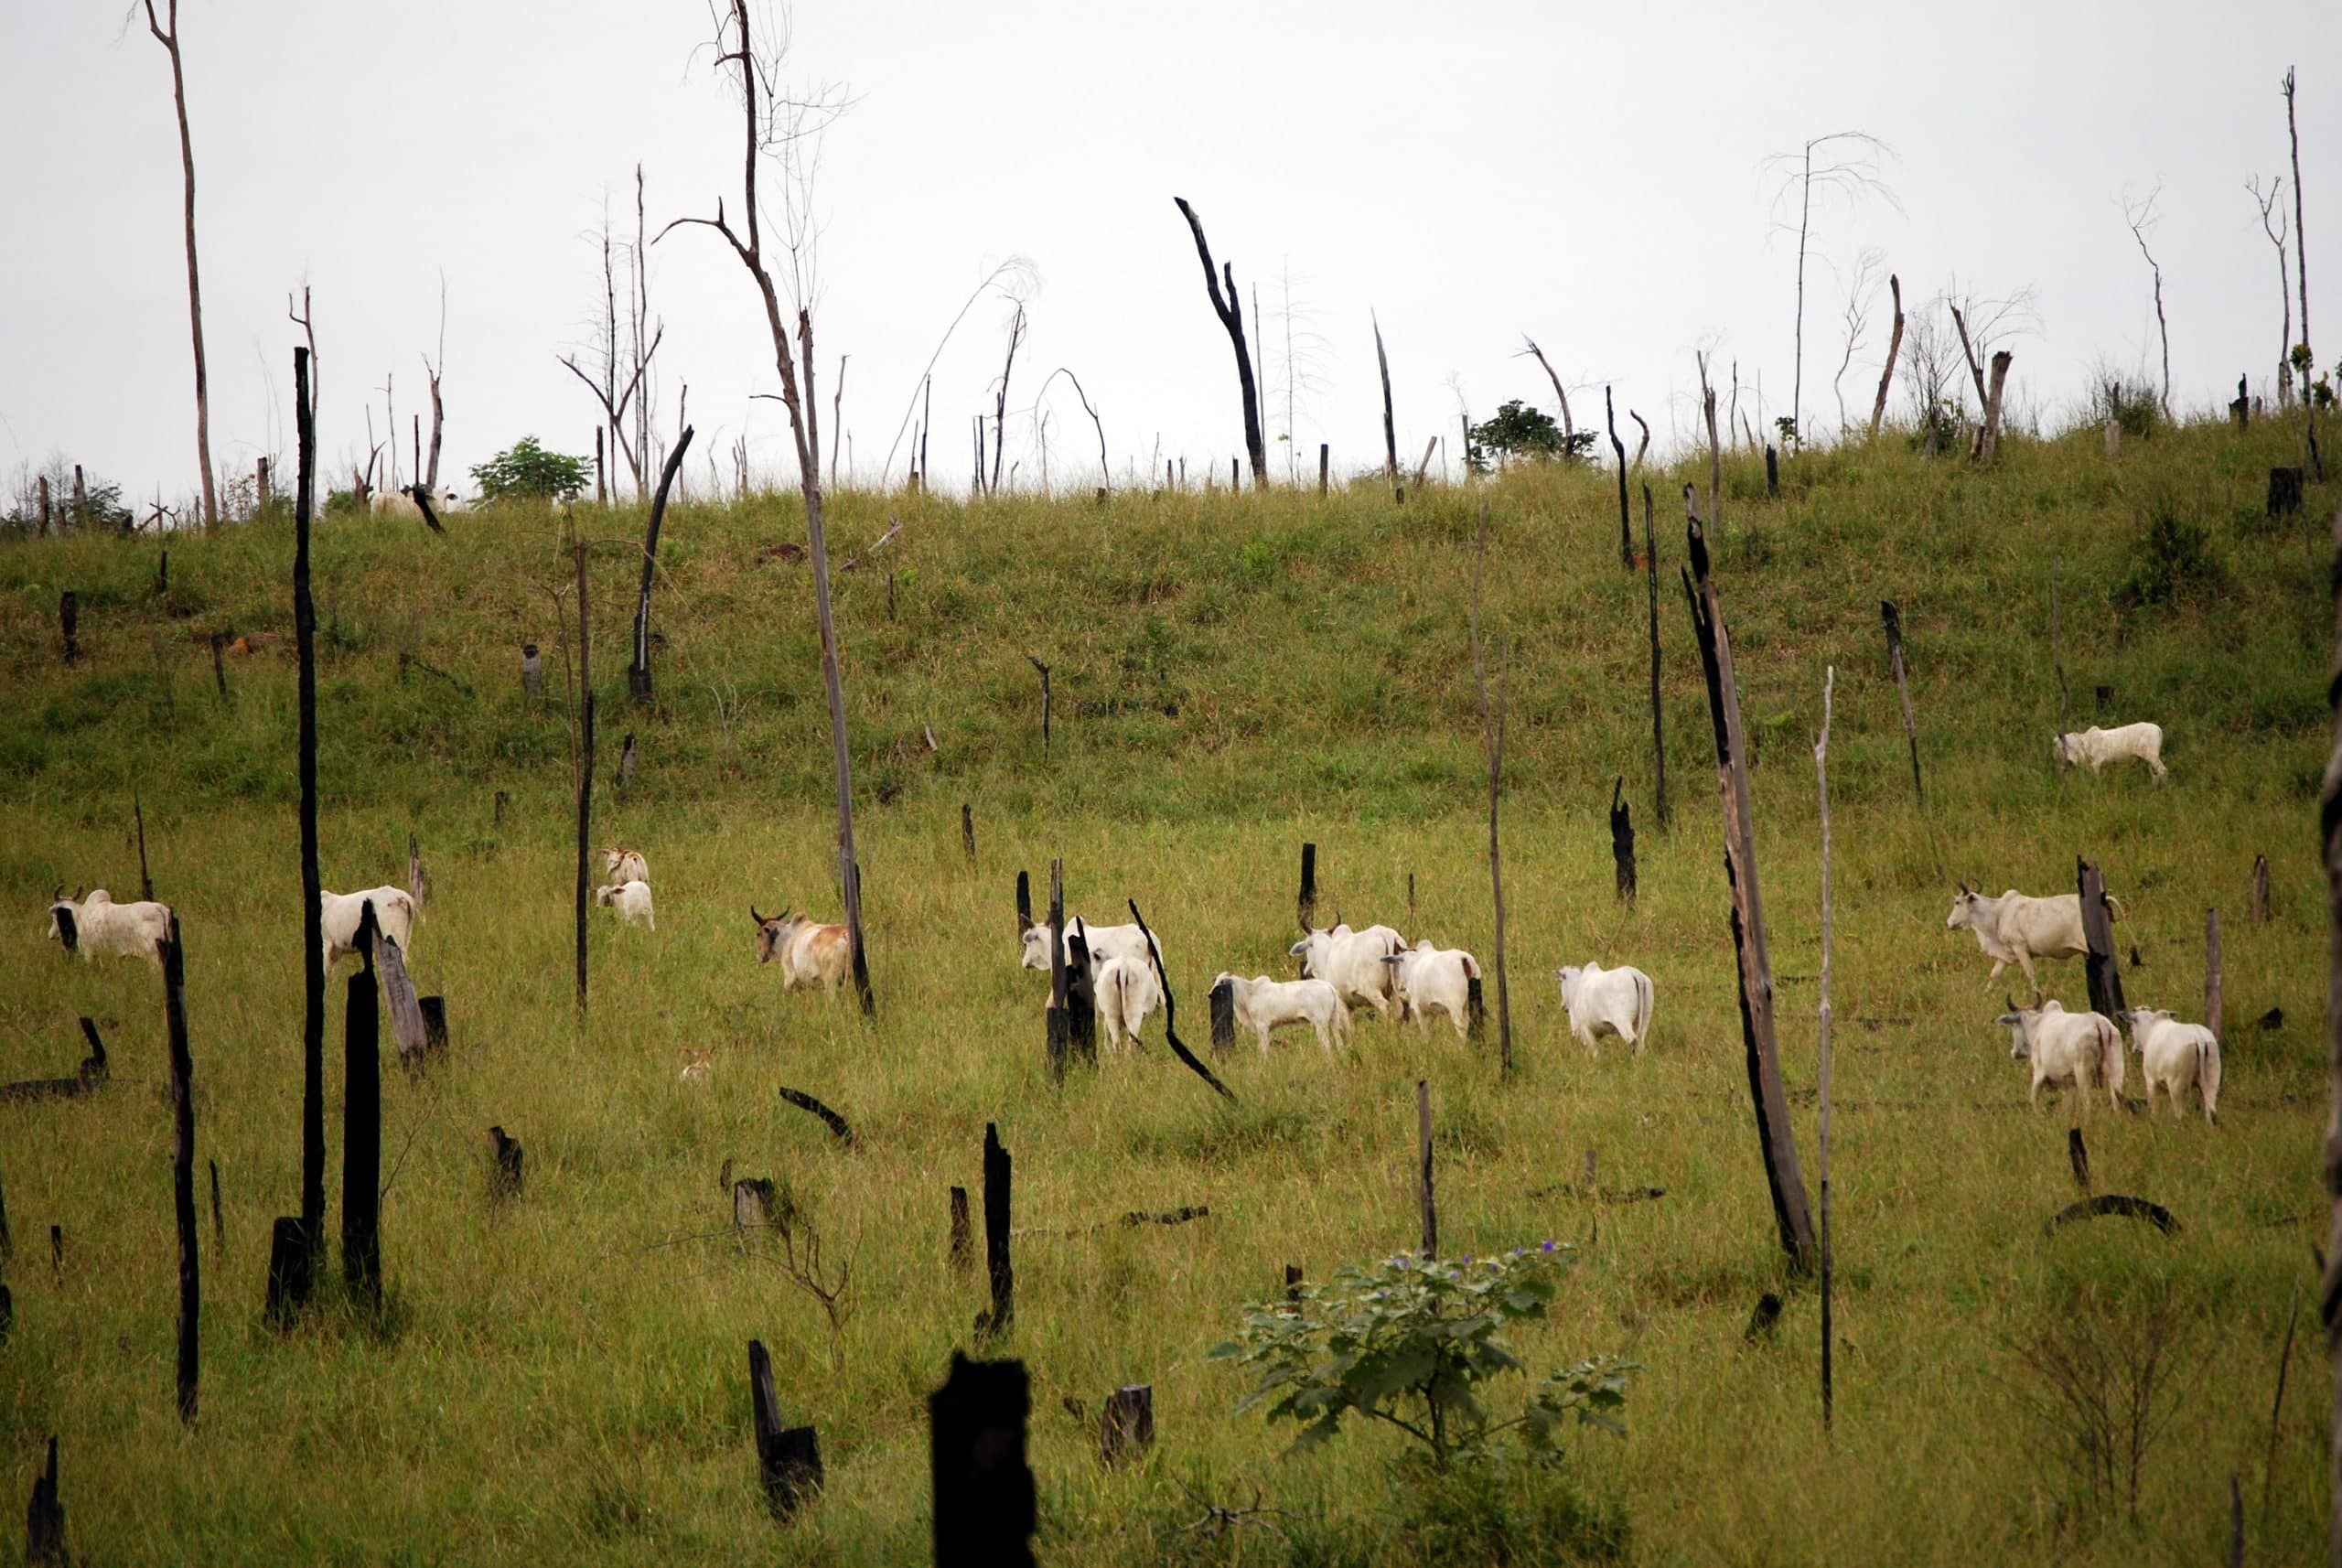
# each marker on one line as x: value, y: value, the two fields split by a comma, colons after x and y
x: 624, y: 864
x: 1104, y: 942
x: 1351, y: 961
x: 1261, y: 1004
x: 808, y: 950
x: 2080, y: 1048
x: 1125, y: 992
x: 1606, y: 1002
x: 393, y: 914
x: 1424, y: 977
x: 631, y: 899
x: 2013, y: 928
x: 2097, y: 746
x: 400, y: 504
x: 99, y: 925
x: 2176, y: 1058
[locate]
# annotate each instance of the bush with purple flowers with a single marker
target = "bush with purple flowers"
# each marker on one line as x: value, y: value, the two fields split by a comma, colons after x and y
x: 1408, y: 1341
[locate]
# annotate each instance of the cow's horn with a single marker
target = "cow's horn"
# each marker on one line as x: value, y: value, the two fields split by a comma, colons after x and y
x: 59, y: 893
x: 2009, y: 1002
x: 759, y: 919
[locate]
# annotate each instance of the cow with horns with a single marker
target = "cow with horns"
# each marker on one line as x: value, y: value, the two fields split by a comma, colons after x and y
x: 807, y: 952
x: 92, y: 923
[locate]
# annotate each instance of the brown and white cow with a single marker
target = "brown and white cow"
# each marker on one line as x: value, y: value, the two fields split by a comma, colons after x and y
x: 807, y: 952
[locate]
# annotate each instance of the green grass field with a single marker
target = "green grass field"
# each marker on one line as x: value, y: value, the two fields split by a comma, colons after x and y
x: 563, y: 1380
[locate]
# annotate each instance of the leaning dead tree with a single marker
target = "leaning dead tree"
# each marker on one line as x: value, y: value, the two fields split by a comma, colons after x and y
x: 1894, y: 348
x: 1775, y: 1139
x: 779, y: 127
x: 169, y: 38
x: 429, y: 479
x: 637, y: 673
x: 1569, y: 430
x: 1229, y: 308
x: 1390, y: 427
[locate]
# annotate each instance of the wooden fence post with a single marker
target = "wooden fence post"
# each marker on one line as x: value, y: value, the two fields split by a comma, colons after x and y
x: 1658, y: 724
x: 2078, y: 1157
x: 407, y: 1029
x: 1772, y: 472
x: 1325, y: 457
x: 532, y: 674
x: 1893, y: 620
x: 1308, y: 899
x: 1622, y: 840
x: 962, y: 1251
x: 362, y: 1124
x: 1428, y: 1200
x: 1023, y: 903
x: 46, y: 515
x: 1222, y: 999
x: 1292, y: 1285
x: 1045, y: 702
x: 434, y: 1024
x: 789, y: 1461
x: 1778, y: 1144
x: 507, y: 1166
x: 183, y: 1170
x: 968, y: 831
x: 1127, y: 1428
x: 2284, y: 493
x: 69, y: 621
x: 1001, y: 1272
x: 982, y: 1489
x: 289, y: 1275
x: 2260, y: 888
x: 2105, y: 975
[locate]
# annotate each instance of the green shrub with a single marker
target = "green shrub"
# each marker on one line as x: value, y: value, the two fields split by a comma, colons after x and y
x: 526, y: 471
x: 2174, y: 561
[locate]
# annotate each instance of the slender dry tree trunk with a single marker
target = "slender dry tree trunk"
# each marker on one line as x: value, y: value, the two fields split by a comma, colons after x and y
x: 313, y: 957
x: 169, y: 40
x: 1230, y: 311
x: 1821, y: 788
x: 1569, y: 430
x: 1000, y: 406
x: 2301, y: 249
x: 639, y: 672
x: 431, y: 371
x: 1894, y: 348
x: 1390, y: 429
x: 2330, y: 1287
x: 1492, y: 736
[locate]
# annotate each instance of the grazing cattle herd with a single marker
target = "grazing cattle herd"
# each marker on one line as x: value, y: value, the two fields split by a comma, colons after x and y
x: 1344, y: 969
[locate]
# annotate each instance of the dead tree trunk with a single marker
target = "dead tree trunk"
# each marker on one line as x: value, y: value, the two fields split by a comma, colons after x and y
x: 1894, y: 348
x: 1562, y: 395
x: 638, y: 675
x: 361, y: 1126
x: 298, y: 1282
x: 183, y: 1169
x: 984, y: 1499
x: 2104, y: 974
x: 1989, y: 440
x: 1892, y: 618
x: 1775, y: 1139
x: 68, y: 624
x: 1058, y: 1019
x: 1390, y: 427
x: 1305, y: 901
x: 1658, y: 723
x: 585, y: 768
x: 1230, y: 311
x: 1618, y: 449
x: 998, y: 1268
x: 138, y: 814
x: 1426, y: 1200
x: 169, y: 40
x: 1492, y: 736
x: 789, y: 1460
x: 1826, y: 1017
x: 1622, y: 840
x: 2330, y: 821
x: 45, y: 1519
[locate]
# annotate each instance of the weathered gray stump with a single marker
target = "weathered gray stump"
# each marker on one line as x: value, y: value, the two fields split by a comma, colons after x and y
x: 1622, y: 840
x: 963, y: 1243
x: 2284, y: 492
x: 69, y: 621
x: 183, y: 1170
x: 362, y: 1125
x: 507, y: 1167
x: 998, y: 1266
x: 1307, y: 903
x: 1426, y: 1199
x: 1127, y: 1429
x: 752, y: 1202
x: 407, y: 1027
x: 2105, y: 975
x: 1324, y: 461
x: 45, y: 1519
x: 434, y: 1024
x: 789, y: 1460
x: 532, y: 673
x: 968, y: 831
x: 982, y: 1489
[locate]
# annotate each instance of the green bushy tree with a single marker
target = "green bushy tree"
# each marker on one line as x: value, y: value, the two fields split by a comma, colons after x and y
x: 525, y: 470
x: 1518, y: 431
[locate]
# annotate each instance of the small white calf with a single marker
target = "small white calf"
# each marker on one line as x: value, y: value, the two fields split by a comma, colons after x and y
x: 1261, y: 1004
x: 2142, y: 742
x: 807, y: 951
x: 1424, y: 977
x: 1104, y: 942
x: 1126, y: 992
x: 625, y: 865
x: 630, y: 899
x: 99, y: 925
x: 393, y: 913
x: 2080, y: 1048
x: 1606, y: 1002
x: 2177, y: 1058
x: 2013, y: 928
x: 1351, y: 963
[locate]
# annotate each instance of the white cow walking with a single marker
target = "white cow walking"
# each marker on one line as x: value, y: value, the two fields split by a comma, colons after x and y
x: 1261, y: 1004
x: 631, y: 899
x: 2080, y: 1048
x: 2140, y: 741
x: 1352, y: 963
x: 99, y: 925
x: 1425, y: 977
x: 394, y: 916
x: 1606, y: 1002
x: 2177, y: 1058
x: 1124, y: 992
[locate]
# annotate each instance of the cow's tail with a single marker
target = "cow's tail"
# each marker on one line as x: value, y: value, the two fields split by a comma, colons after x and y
x: 1642, y: 1007
x: 1471, y: 967
x: 2207, y: 1076
x: 1110, y: 987
x: 2113, y: 909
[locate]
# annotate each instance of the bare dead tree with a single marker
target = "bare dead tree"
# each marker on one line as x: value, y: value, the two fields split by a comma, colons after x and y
x: 169, y: 38
x: 638, y: 675
x: 429, y: 478
x: 1847, y: 168
x: 1000, y: 404
x: 613, y: 408
x: 1105, y: 474
x: 2330, y: 829
x: 1894, y: 346
x: 306, y: 321
x: 1822, y: 790
x: 2301, y: 232
x: 1560, y: 391
x: 837, y: 401
x: 1229, y: 308
x: 785, y: 128
x: 1492, y: 740
x: 1390, y: 429
x: 1013, y: 277
x: 1857, y: 320
x: 1714, y: 517
x: 2139, y: 217
x: 2273, y: 223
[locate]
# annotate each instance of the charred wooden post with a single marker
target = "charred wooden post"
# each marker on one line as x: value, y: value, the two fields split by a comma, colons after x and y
x: 507, y: 1166
x: 1222, y: 999
x: 1622, y: 840
x: 1127, y: 1429
x: 1023, y: 903
x: 584, y: 769
x: 2078, y: 1156
x: 1293, y: 1286
x: 837, y: 1124
x: 1307, y: 900
x: 218, y: 641
x: 57, y: 1251
x: 1892, y: 618
x: 2284, y: 497
x: 289, y: 1258
x: 638, y: 672
x: 362, y: 1125
x: 2240, y: 408
x: 2098, y: 930
x: 7, y: 1243
x: 1658, y: 723
x: 1772, y: 473
x: 2330, y: 821
x: 532, y: 674
x: 183, y: 1170
x: 1619, y: 450
x: 69, y: 622
x: 752, y: 1199
x: 1229, y: 308
x: 984, y: 1502
x: 998, y: 1267
x: 46, y: 516
x: 2212, y: 999
x: 1325, y: 459
x: 1059, y: 1020
x: 1783, y: 1176
x: 434, y: 1024
x: 1081, y: 1002
x: 1390, y: 427
x: 963, y: 1249
x: 1045, y: 702
x: 45, y: 1519
x: 626, y: 762
x: 1171, y: 1009
x: 1426, y: 1200
x: 145, y: 878
x: 407, y: 1028
x: 1825, y: 1017
x: 418, y: 885
x: 218, y: 1225
x: 967, y: 831
x: 789, y: 1460
x: 298, y: 1281
x: 260, y: 483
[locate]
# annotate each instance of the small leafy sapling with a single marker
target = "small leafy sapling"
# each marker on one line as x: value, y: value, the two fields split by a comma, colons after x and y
x: 1410, y: 1342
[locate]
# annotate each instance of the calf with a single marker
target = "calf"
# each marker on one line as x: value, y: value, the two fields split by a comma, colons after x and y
x: 631, y: 900
x: 2080, y: 1048
x: 807, y: 951
x: 2013, y: 928
x: 1606, y: 1002
x: 1424, y: 977
x: 1352, y: 963
x: 393, y: 917
x: 2176, y: 1058
x: 92, y: 923
x: 1125, y: 992
x: 1261, y: 1004
x: 625, y: 865
x: 2097, y: 746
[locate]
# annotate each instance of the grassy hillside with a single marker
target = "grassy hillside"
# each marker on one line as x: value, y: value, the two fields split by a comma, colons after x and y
x: 563, y: 1380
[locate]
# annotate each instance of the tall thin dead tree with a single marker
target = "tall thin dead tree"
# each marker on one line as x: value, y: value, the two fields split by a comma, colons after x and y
x: 780, y: 127
x: 432, y: 369
x: 1658, y: 723
x: 2139, y: 217
x: 2273, y: 224
x: 2301, y: 240
x: 1848, y: 168
x: 1775, y: 1138
x: 1390, y: 427
x: 1562, y: 395
x: 1825, y: 1018
x: 1229, y: 308
x: 1714, y: 515
x: 1619, y: 450
x: 1894, y: 348
x: 585, y: 765
x: 638, y: 675
x: 1000, y: 405
x: 1492, y: 741
x: 169, y: 38
x: 2330, y: 816
x: 313, y: 955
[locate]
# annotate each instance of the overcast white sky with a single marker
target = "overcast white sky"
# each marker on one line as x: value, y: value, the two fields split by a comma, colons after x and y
x: 1594, y: 176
